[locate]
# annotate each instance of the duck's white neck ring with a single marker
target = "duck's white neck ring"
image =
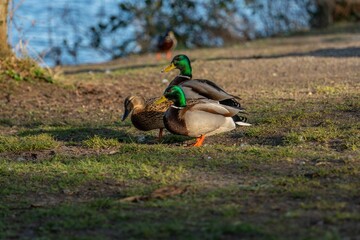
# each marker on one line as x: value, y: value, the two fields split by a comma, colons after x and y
x: 176, y: 107
x: 184, y: 76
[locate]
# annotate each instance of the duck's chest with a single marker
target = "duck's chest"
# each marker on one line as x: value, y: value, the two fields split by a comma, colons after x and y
x: 148, y: 120
x: 174, y: 123
x: 178, y: 80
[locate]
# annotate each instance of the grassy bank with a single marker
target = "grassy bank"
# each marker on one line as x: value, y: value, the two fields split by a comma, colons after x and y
x: 69, y: 169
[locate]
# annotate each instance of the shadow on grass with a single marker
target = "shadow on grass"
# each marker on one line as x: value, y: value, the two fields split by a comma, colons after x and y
x: 271, y: 140
x: 103, y: 69
x: 176, y: 139
x: 80, y: 134
x: 326, y: 52
x: 7, y: 122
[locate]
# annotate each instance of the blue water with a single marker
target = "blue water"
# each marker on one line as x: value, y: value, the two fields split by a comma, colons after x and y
x: 38, y: 28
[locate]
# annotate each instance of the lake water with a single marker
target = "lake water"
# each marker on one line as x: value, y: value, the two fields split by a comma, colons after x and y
x: 38, y: 28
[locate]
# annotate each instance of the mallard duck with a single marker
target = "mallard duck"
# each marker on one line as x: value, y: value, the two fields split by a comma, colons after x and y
x: 198, y: 117
x: 166, y: 43
x: 145, y: 114
x: 198, y: 88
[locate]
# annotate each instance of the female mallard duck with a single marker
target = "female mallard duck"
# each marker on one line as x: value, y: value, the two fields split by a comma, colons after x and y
x: 198, y: 88
x: 145, y: 114
x: 167, y: 44
x: 198, y: 117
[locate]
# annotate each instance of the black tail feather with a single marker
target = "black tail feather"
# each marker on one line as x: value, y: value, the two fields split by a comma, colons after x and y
x: 238, y: 118
x: 232, y: 103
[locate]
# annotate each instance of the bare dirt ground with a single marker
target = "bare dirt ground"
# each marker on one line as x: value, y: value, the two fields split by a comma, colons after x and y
x: 282, y: 68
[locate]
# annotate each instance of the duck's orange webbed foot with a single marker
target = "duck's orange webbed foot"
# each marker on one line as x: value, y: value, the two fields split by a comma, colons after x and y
x: 168, y: 55
x: 199, y: 141
x: 158, y: 56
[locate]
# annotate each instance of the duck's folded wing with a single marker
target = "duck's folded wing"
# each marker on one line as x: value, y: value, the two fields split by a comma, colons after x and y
x: 213, y: 108
x: 206, y: 88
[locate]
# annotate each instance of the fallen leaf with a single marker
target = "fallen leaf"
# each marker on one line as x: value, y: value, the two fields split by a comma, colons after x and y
x: 134, y: 199
x: 160, y: 193
x: 168, y: 191
x: 38, y: 205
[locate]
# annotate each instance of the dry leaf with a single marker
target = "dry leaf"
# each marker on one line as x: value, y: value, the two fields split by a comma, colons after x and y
x: 168, y: 191
x: 160, y: 193
x: 133, y: 199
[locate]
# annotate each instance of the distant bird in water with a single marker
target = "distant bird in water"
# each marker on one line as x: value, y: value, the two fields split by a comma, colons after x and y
x: 166, y: 44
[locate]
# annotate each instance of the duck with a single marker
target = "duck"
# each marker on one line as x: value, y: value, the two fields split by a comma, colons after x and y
x: 145, y: 114
x: 198, y: 117
x: 198, y: 88
x: 166, y: 44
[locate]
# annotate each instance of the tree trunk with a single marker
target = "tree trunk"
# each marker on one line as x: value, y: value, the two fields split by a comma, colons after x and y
x: 323, y: 17
x: 5, y: 49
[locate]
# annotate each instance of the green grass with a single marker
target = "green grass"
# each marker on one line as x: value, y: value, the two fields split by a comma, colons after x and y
x: 296, y: 165
x: 17, y: 144
x: 80, y: 195
x: 294, y: 174
x: 97, y: 142
x: 24, y: 69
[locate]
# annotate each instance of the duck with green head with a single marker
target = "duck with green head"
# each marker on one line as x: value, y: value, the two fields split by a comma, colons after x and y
x: 198, y: 117
x: 198, y: 88
x: 181, y: 62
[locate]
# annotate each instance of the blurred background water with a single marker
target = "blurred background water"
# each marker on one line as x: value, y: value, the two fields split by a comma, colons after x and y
x: 62, y: 32
x: 50, y: 29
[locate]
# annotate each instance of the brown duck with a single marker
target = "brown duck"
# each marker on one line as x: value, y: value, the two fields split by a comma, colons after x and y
x: 166, y: 44
x: 145, y: 114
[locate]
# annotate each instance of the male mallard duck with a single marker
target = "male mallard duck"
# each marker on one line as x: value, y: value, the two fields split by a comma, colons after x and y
x: 198, y: 117
x: 145, y: 114
x: 198, y: 88
x: 166, y: 43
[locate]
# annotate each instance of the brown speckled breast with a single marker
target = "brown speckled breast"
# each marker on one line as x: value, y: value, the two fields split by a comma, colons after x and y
x: 146, y: 121
x: 151, y: 117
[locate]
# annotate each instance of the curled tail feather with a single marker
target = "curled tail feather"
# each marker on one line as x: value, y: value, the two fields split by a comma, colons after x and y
x: 240, y: 120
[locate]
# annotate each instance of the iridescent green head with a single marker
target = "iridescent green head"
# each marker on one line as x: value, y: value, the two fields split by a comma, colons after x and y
x: 175, y: 94
x: 181, y: 62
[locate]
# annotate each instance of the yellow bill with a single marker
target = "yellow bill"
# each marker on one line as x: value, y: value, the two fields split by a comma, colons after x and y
x: 161, y: 100
x: 169, y: 68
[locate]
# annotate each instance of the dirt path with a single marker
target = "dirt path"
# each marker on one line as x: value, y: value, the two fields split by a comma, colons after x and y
x: 289, y: 68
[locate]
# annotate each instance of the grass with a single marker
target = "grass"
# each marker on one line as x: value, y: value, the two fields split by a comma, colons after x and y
x: 72, y: 196
x: 18, y: 144
x: 24, y: 69
x: 294, y: 174
x: 302, y: 176
x: 97, y: 142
